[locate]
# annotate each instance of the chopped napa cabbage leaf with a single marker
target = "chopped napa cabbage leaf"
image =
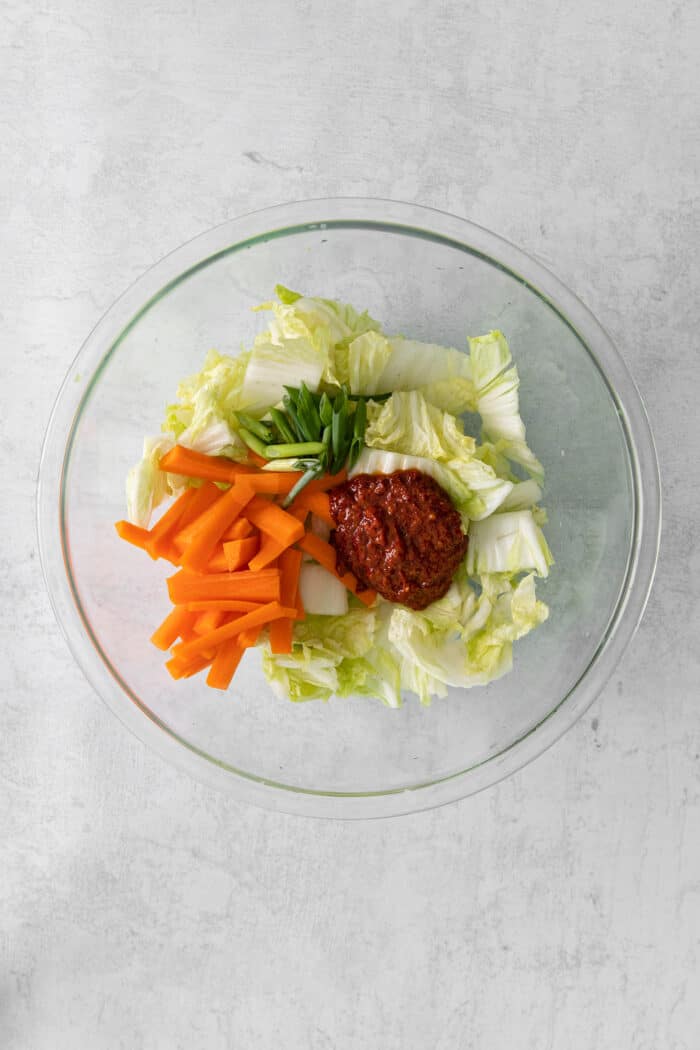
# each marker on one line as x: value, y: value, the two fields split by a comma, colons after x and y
x: 496, y: 389
x: 322, y: 594
x: 507, y: 543
x: 469, y: 640
x: 335, y: 655
x: 407, y: 424
x: 146, y: 485
x: 522, y: 496
x: 202, y: 416
x: 379, y: 365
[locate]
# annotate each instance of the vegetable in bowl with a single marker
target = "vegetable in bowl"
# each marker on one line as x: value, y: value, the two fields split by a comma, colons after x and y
x: 330, y: 507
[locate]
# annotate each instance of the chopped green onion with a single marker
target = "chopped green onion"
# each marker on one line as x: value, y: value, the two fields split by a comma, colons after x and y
x: 253, y: 442
x: 309, y: 475
x: 284, y: 429
x: 291, y: 412
x: 302, y: 448
x: 325, y: 410
x: 254, y: 426
x: 308, y: 413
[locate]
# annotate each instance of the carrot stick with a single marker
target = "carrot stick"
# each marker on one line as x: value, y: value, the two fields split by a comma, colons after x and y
x: 261, y: 586
x: 274, y: 521
x: 209, y: 527
x: 270, y: 549
x: 325, y: 555
x: 240, y: 529
x: 237, y: 553
x: 318, y: 503
x: 222, y: 604
x: 169, y: 631
x: 191, y: 464
x: 186, y: 668
x: 207, y: 621
x: 322, y: 484
x: 168, y: 523
x: 277, y: 483
x: 265, y: 614
x: 249, y: 638
x: 281, y: 630
x: 259, y: 461
x: 204, y: 497
x: 132, y: 533
x: 217, y: 562
x: 225, y: 664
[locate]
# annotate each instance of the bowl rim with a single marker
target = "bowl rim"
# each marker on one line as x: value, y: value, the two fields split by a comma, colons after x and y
x: 267, y: 224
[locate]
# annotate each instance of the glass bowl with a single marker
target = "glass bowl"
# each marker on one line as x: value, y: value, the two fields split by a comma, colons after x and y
x: 422, y: 273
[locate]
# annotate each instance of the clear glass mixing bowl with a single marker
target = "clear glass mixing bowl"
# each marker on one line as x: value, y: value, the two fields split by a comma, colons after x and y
x: 437, y: 278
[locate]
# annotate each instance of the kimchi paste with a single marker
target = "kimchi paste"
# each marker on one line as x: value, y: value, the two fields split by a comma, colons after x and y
x: 399, y: 534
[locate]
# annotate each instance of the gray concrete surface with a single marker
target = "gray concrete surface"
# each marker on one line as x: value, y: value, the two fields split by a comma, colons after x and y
x: 559, y: 910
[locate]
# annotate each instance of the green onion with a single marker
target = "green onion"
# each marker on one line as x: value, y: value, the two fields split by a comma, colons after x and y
x: 307, y: 406
x: 309, y: 475
x: 302, y: 448
x: 284, y: 429
x: 254, y: 426
x: 292, y: 414
x: 325, y: 410
x: 253, y: 442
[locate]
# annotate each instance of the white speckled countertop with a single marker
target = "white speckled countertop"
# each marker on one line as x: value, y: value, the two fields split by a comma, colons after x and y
x: 558, y: 910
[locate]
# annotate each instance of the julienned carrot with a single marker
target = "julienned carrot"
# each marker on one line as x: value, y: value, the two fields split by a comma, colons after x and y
x: 209, y: 528
x: 206, y: 495
x: 169, y: 631
x: 168, y: 523
x: 322, y: 484
x: 281, y: 631
x: 191, y: 464
x: 269, y: 551
x: 261, y: 586
x: 132, y: 533
x: 318, y: 503
x: 217, y: 562
x: 325, y: 555
x: 277, y: 483
x: 240, y: 529
x: 207, y: 621
x: 265, y: 614
x: 186, y: 668
x: 274, y: 521
x: 222, y: 604
x: 225, y: 664
x: 237, y: 553
x: 259, y: 461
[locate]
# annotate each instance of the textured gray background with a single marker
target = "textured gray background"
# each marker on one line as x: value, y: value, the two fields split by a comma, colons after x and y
x: 559, y: 910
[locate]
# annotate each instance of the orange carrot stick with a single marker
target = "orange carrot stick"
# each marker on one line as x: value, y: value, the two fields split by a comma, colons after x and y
x: 169, y: 631
x: 265, y: 614
x: 318, y: 503
x: 132, y: 533
x: 225, y: 664
x: 208, y: 529
x: 191, y: 464
x: 207, y: 621
x: 186, y: 668
x: 281, y: 630
x: 274, y: 483
x: 240, y: 530
x: 274, y: 521
x: 204, y: 497
x: 259, y: 461
x: 217, y: 562
x: 269, y: 551
x: 322, y: 484
x: 223, y: 604
x: 261, y: 586
x: 237, y: 553
x: 325, y: 555
x: 168, y: 523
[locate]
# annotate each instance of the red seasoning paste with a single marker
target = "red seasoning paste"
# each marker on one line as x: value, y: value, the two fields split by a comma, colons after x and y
x: 399, y: 534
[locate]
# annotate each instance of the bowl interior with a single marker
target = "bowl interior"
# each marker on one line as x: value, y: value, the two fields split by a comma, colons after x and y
x: 418, y: 284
